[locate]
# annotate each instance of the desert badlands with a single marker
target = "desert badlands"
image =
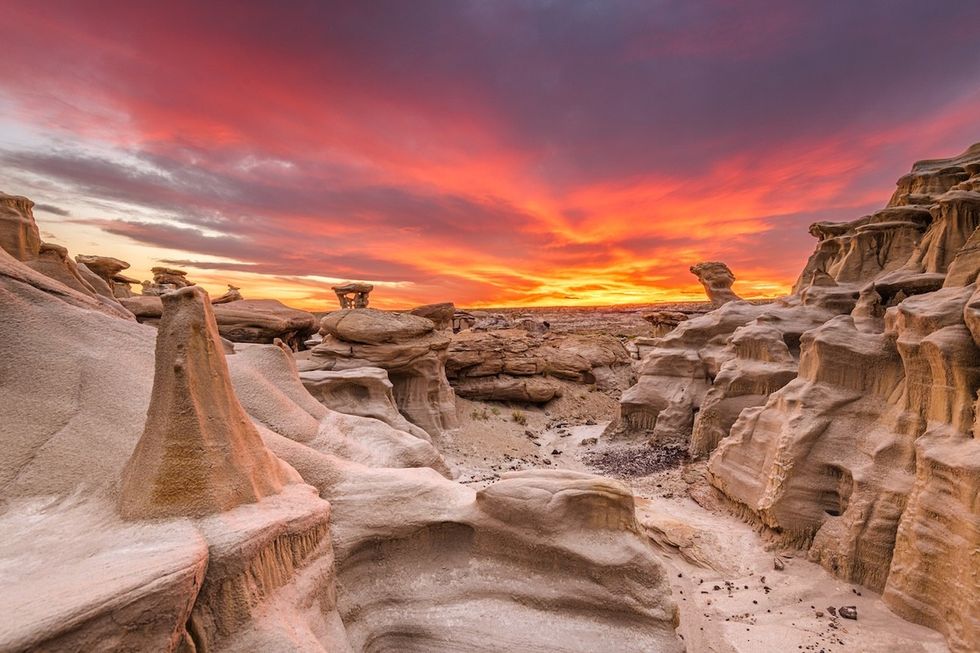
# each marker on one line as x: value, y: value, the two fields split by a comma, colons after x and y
x: 181, y: 472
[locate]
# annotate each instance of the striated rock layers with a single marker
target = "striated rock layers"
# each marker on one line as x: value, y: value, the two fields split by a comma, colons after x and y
x: 21, y: 240
x: 199, y: 452
x: 408, y: 347
x: 843, y: 419
x: 240, y: 320
x: 517, y: 365
x: 400, y: 559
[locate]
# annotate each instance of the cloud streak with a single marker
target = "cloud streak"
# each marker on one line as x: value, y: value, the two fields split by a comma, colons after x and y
x: 490, y: 153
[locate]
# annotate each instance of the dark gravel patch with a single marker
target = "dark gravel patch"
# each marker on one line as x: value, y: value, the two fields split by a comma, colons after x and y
x: 636, y: 461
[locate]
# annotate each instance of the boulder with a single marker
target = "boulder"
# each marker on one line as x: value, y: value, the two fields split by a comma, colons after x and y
x: 374, y: 327
x: 441, y: 314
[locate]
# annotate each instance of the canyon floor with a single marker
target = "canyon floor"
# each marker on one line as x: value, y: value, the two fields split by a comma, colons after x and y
x: 722, y: 572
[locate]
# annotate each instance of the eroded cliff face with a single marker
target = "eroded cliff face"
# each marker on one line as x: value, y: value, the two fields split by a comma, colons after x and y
x: 843, y: 418
x: 516, y: 365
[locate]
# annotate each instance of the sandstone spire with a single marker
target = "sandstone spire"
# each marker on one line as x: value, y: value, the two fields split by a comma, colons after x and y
x: 199, y: 452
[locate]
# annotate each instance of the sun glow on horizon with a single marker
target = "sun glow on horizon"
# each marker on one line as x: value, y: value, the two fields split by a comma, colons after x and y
x: 519, y: 172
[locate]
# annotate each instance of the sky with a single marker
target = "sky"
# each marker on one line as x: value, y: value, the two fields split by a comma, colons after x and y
x: 491, y: 153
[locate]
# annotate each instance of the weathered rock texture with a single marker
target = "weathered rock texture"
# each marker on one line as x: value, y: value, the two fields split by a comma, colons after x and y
x: 441, y: 314
x: 108, y: 269
x: 233, y: 295
x: 364, y: 391
x: 353, y: 294
x: 843, y: 419
x: 407, y: 346
x: 517, y: 365
x: 717, y: 280
x: 260, y: 321
x: 199, y: 452
x: 165, y: 280
x: 405, y: 559
x: 20, y: 239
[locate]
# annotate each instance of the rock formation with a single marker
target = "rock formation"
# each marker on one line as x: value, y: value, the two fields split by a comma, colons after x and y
x: 353, y: 294
x: 407, y: 346
x: 122, y: 286
x: 104, y: 267
x: 441, y: 314
x: 403, y: 559
x: 20, y: 238
x: 199, y: 453
x: 666, y: 321
x: 233, y: 295
x: 843, y: 418
x: 364, y: 391
x: 717, y: 280
x: 19, y: 235
x: 264, y: 320
x: 251, y: 321
x: 516, y: 365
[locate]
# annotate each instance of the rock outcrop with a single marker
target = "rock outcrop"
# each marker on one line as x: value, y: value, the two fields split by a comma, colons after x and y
x: 364, y: 391
x: 517, y: 365
x: 233, y: 295
x: 108, y: 269
x: 353, y: 294
x: 407, y: 346
x: 19, y: 235
x: 441, y: 314
x: 20, y: 238
x: 199, y: 452
x: 259, y: 321
x: 404, y: 559
x: 263, y: 321
x: 843, y: 419
x: 717, y: 280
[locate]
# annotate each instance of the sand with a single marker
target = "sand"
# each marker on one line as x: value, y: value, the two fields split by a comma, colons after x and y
x: 732, y: 599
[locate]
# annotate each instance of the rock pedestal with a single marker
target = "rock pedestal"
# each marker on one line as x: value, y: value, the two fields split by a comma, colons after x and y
x: 199, y: 452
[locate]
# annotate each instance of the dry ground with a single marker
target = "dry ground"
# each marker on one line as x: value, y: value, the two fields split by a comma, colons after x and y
x: 723, y: 574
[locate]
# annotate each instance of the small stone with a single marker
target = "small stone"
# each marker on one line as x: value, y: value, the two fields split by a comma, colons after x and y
x: 819, y: 613
x: 588, y: 441
x: 555, y: 452
x: 832, y: 610
x: 778, y: 564
x: 848, y: 611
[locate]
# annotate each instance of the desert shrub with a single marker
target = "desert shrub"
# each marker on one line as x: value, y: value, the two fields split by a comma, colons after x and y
x: 519, y: 417
x: 482, y: 414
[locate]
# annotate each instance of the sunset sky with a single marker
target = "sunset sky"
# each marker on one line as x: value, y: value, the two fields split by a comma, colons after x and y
x: 485, y: 152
